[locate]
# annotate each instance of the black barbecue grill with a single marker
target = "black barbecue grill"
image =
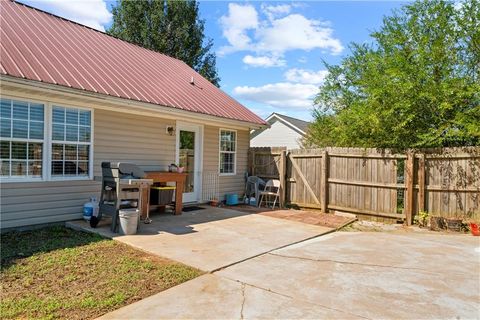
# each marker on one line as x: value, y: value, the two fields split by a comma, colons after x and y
x: 121, y: 186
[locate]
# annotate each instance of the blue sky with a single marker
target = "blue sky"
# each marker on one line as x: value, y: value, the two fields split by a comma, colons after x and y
x: 269, y: 53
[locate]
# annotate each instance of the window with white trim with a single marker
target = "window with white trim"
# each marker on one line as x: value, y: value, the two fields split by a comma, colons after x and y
x: 228, y: 150
x: 44, y: 142
x: 71, y: 142
x: 22, y: 138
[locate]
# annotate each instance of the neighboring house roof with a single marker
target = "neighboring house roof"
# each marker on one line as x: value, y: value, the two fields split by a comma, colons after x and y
x: 293, y: 124
x: 300, y: 125
x: 39, y: 46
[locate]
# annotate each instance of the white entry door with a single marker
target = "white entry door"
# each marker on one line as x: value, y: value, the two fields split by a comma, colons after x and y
x: 189, y: 156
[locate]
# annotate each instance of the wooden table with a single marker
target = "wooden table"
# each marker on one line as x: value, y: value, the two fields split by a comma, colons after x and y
x: 163, y: 176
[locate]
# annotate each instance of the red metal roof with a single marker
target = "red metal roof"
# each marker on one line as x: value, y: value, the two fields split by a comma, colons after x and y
x: 39, y: 46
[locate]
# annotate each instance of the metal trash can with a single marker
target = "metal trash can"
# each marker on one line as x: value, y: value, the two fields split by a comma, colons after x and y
x: 128, y: 221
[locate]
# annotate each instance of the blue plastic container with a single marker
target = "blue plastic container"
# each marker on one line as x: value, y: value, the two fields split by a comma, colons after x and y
x: 231, y: 199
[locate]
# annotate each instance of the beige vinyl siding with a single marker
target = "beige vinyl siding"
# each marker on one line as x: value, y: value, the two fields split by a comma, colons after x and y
x: 117, y: 137
x: 29, y: 203
x: 228, y: 183
x: 131, y: 138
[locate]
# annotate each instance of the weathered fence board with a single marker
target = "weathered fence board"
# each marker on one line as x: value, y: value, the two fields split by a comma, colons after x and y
x: 264, y: 162
x: 376, y: 183
x: 363, y: 182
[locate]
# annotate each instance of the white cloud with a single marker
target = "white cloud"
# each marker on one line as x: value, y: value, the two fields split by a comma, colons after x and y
x: 240, y: 18
x: 302, y: 59
x: 294, y: 95
x: 282, y: 31
x: 283, y: 95
x: 263, y: 61
x: 297, y: 32
x: 306, y: 76
x: 275, y: 11
x: 92, y: 13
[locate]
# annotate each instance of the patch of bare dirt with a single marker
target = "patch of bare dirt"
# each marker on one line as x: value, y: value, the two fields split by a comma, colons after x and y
x: 310, y: 217
x: 373, y: 226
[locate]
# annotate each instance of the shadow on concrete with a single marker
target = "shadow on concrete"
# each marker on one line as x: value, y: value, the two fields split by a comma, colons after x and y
x: 167, y: 222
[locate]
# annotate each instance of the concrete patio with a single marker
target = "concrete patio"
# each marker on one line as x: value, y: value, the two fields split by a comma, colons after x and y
x: 211, y: 238
x: 266, y: 267
x: 343, y: 275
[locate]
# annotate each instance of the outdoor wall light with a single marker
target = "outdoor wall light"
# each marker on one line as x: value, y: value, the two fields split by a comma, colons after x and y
x: 170, y: 130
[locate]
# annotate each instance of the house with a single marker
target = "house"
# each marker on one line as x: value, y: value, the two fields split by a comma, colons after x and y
x: 72, y: 97
x: 284, y: 131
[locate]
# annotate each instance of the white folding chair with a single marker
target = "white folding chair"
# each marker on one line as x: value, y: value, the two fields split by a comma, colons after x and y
x: 272, y: 189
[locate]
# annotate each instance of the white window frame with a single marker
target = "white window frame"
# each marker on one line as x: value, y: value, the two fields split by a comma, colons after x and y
x: 51, y: 142
x: 44, y: 141
x: 47, y: 143
x: 220, y: 152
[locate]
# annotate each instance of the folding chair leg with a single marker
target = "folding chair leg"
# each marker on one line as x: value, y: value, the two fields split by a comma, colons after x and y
x: 274, y: 202
x: 114, y: 224
x: 261, y: 199
x: 115, y: 216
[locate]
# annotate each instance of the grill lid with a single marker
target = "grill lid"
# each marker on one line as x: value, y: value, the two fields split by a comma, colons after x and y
x: 127, y: 170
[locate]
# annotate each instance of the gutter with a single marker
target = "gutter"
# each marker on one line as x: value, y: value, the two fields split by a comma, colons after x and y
x: 149, y: 108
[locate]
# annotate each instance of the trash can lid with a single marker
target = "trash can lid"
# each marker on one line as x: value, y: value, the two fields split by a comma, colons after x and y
x: 164, y: 188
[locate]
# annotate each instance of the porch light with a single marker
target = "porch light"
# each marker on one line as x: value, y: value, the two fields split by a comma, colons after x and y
x: 170, y: 130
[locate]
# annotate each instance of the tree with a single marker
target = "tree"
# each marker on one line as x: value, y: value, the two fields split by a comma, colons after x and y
x: 172, y: 27
x: 417, y: 85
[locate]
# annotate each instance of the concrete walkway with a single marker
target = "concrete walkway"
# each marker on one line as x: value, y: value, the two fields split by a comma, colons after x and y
x: 345, y: 275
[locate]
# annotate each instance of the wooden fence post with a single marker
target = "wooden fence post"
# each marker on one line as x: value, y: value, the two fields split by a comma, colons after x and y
x: 421, y: 183
x: 409, y: 185
x: 252, y: 162
x: 282, y: 172
x: 324, y: 186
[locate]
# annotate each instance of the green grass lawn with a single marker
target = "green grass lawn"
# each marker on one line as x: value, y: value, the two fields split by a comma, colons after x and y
x: 61, y: 273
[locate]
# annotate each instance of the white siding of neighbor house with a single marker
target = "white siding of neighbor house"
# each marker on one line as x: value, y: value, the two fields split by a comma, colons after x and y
x: 278, y: 135
x: 117, y: 137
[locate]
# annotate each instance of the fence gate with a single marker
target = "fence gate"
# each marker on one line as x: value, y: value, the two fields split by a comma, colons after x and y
x: 305, y: 178
x: 344, y: 180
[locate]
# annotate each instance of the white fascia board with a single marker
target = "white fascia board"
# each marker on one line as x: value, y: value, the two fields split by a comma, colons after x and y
x: 279, y: 117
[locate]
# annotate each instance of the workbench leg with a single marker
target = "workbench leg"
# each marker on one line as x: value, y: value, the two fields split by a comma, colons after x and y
x: 143, y: 202
x: 178, y: 197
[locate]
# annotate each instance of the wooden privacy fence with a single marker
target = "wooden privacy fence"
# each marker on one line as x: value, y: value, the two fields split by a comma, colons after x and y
x: 378, y: 183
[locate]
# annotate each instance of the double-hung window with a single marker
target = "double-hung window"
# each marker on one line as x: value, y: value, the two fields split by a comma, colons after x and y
x: 22, y: 139
x: 71, y: 142
x: 44, y: 142
x: 228, y: 151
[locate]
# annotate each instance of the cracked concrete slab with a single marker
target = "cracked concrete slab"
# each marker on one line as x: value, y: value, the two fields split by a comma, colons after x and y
x: 342, y: 275
x: 375, y: 275
x: 428, y: 252
x: 213, y: 297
